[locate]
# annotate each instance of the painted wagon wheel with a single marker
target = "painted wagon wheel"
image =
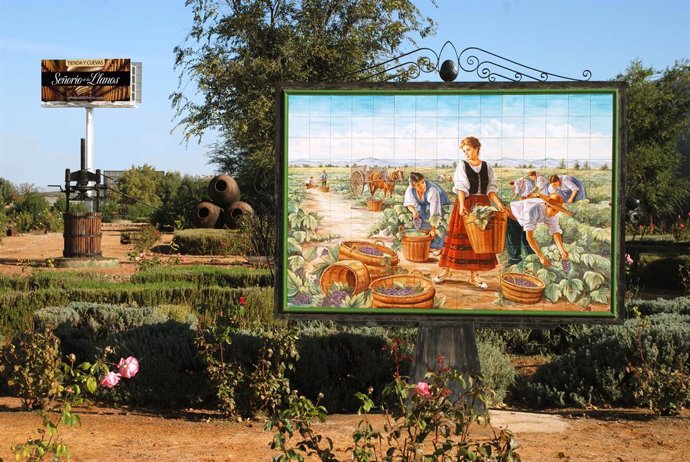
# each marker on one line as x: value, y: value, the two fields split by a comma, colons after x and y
x: 357, y: 183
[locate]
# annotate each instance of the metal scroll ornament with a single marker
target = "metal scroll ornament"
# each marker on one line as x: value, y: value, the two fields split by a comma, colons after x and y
x: 487, y: 65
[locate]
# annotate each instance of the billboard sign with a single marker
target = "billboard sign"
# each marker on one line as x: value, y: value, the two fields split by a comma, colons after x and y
x: 403, y: 203
x: 86, y: 82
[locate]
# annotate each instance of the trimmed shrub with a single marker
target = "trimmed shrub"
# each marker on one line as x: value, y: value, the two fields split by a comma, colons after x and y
x: 497, y: 371
x: 661, y: 271
x: 341, y: 364
x: 598, y: 369
x: 17, y: 308
x: 162, y: 338
x: 172, y: 372
x: 679, y: 305
x: 208, y: 242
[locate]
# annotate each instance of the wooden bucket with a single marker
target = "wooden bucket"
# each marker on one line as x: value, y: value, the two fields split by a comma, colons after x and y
x: 82, y: 235
x: 325, y: 188
x: 490, y: 240
x: 374, y: 205
x: 416, y: 248
x: 423, y: 299
x: 350, y: 272
x: 512, y: 290
x: 377, y: 265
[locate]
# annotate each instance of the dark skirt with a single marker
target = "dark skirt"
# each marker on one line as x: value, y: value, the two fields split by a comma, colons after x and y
x: 457, y: 251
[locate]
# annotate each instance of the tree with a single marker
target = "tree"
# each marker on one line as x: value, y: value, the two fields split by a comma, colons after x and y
x: 140, y: 184
x: 561, y: 164
x: 657, y: 121
x: 178, y: 201
x: 237, y: 51
x: 8, y: 193
x: 577, y: 166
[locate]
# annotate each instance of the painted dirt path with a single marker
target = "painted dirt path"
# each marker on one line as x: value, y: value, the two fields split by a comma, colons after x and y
x: 354, y: 222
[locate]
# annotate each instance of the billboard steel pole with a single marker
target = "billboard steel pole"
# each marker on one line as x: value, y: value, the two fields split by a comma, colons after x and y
x: 89, y: 164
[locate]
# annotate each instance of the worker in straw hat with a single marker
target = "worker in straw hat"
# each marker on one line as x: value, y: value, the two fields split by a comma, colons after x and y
x: 543, y: 209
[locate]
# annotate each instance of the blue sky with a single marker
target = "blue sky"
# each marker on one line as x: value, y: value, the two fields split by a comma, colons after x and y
x: 533, y: 127
x: 37, y: 144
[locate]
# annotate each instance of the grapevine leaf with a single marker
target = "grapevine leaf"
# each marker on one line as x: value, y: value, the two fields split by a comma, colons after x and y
x: 584, y: 301
x: 600, y: 295
x: 293, y: 246
x: 572, y: 289
x: 593, y: 280
x: 546, y: 276
x: 552, y: 292
x: 295, y: 261
x: 300, y: 236
x: 310, y: 254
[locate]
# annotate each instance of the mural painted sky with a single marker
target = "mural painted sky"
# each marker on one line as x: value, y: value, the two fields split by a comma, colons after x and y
x: 425, y: 129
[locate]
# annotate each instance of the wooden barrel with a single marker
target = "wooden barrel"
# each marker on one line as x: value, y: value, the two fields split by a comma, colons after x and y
x: 82, y: 235
x: 349, y: 272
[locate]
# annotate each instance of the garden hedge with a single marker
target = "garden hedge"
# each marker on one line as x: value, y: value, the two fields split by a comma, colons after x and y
x: 597, y: 369
x: 208, y: 242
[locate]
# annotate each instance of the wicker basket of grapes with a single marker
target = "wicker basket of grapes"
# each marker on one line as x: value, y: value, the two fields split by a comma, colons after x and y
x: 522, y: 288
x: 353, y: 273
x: 402, y: 291
x: 378, y: 259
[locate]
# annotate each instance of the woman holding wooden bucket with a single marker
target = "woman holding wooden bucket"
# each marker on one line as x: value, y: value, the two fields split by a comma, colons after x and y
x: 475, y: 184
x: 425, y: 199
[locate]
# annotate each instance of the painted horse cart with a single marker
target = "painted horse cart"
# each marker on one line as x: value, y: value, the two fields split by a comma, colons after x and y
x: 376, y: 178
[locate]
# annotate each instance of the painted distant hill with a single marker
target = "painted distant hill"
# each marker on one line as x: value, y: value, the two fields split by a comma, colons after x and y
x: 431, y: 163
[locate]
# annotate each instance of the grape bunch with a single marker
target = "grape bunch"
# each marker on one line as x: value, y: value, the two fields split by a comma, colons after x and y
x: 397, y: 291
x: 301, y: 299
x: 521, y: 282
x: 417, y: 222
x: 370, y: 251
x: 336, y: 297
x: 566, y: 265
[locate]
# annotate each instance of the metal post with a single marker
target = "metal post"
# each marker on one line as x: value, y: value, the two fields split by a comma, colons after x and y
x: 89, y: 164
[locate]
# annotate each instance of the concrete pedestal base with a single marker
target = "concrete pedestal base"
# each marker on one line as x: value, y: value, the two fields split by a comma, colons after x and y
x: 100, y: 262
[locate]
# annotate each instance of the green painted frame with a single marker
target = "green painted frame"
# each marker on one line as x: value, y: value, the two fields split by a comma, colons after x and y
x: 440, y: 317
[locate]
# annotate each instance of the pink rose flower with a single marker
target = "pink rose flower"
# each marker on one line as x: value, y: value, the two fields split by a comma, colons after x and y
x: 628, y: 259
x: 421, y: 389
x: 129, y: 367
x: 110, y: 380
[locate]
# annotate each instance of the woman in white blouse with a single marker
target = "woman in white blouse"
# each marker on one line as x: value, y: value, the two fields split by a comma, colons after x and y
x: 475, y: 184
x: 569, y: 187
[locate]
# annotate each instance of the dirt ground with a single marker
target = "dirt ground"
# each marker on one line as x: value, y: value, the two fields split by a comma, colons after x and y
x: 115, y: 434
x: 20, y: 253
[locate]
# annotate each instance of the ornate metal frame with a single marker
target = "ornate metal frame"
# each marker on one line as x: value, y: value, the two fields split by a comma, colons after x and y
x: 487, y: 65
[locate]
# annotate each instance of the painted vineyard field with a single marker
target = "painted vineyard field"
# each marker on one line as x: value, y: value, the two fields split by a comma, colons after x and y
x: 338, y: 248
